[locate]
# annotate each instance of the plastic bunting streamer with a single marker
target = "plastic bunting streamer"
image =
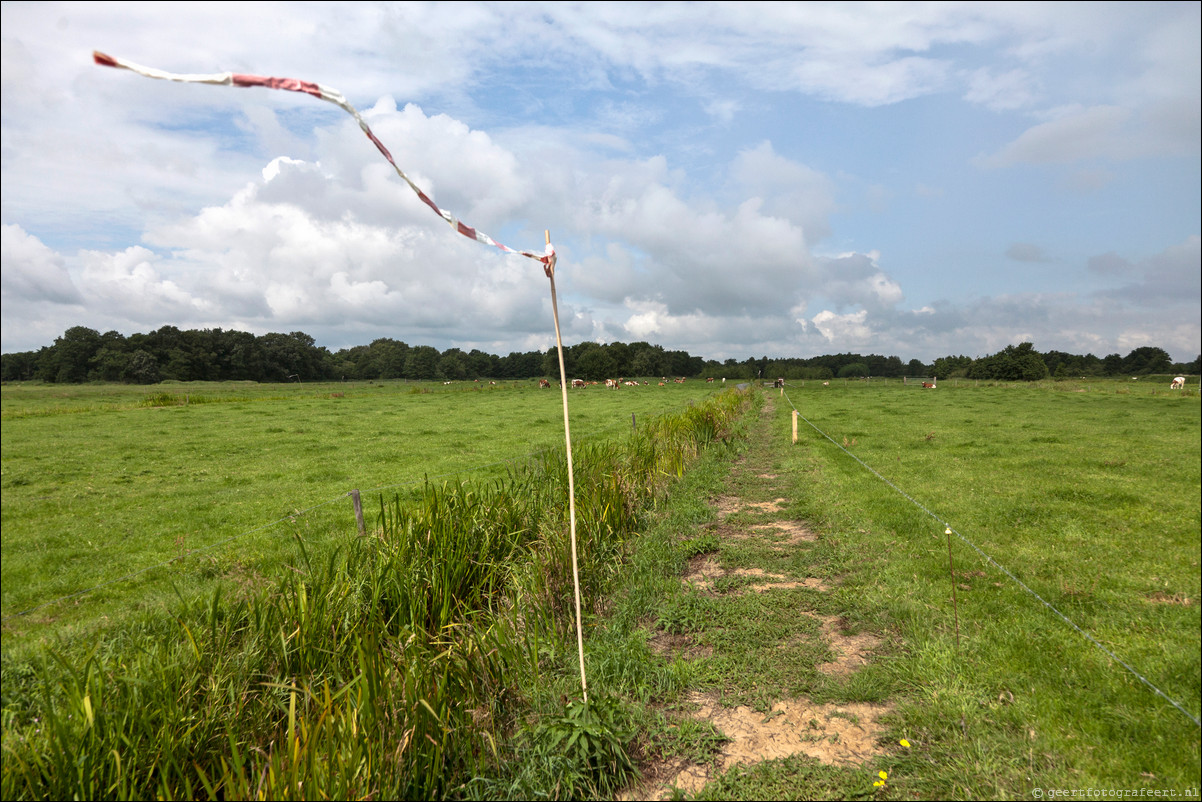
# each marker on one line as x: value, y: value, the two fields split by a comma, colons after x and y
x: 547, y: 258
x: 338, y: 99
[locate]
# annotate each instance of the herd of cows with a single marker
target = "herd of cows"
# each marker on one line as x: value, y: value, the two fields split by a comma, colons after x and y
x: 616, y: 383
x: 1178, y: 383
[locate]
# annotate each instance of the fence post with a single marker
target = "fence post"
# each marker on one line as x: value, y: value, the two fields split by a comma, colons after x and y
x: 354, y: 494
x: 794, y: 427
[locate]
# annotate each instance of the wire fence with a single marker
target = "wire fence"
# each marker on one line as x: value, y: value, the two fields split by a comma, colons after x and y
x: 952, y: 530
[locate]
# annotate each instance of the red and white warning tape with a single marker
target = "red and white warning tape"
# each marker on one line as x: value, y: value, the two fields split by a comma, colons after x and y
x: 337, y: 98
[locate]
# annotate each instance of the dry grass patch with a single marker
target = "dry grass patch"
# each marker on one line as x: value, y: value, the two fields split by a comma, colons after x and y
x: 1164, y: 598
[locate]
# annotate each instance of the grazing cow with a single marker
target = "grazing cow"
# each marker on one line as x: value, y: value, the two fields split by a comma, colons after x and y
x: 709, y: 380
x: 1178, y: 383
x: 826, y: 384
x: 780, y: 382
x: 543, y: 383
x: 577, y: 382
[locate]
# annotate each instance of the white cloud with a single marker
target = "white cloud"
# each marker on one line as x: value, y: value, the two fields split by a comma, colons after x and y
x: 686, y: 159
x: 32, y: 272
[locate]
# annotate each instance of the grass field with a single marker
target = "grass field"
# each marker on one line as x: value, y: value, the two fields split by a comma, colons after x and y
x: 103, y: 480
x: 1089, y: 493
x: 1086, y: 492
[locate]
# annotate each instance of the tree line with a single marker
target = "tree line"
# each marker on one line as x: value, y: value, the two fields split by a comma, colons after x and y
x: 82, y: 354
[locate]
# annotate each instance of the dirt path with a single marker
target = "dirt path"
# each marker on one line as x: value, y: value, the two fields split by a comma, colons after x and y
x: 763, y: 550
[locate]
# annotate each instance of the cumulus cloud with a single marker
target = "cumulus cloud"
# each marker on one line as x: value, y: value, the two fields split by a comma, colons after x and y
x: 32, y: 272
x: 687, y: 161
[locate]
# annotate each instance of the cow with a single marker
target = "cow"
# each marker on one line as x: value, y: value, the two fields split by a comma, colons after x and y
x: 928, y: 385
x: 577, y: 382
x: 544, y: 383
x: 1178, y: 383
x: 780, y: 382
x: 709, y: 380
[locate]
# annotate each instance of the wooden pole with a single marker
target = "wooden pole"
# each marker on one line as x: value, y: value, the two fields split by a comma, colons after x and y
x: 794, y: 427
x: 354, y: 494
x: 563, y: 386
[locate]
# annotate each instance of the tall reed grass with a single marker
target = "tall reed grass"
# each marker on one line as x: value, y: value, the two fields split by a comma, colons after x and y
x: 401, y: 665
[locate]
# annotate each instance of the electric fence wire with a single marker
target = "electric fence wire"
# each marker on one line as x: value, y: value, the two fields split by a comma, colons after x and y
x: 239, y: 536
x: 948, y: 527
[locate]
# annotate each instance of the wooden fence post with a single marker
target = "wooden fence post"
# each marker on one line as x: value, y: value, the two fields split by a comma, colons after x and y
x: 794, y: 427
x: 354, y: 494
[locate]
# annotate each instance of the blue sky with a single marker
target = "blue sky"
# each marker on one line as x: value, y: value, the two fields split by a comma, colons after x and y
x: 735, y: 180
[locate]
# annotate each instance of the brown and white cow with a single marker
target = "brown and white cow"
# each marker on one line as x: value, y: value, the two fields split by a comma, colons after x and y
x: 1178, y: 383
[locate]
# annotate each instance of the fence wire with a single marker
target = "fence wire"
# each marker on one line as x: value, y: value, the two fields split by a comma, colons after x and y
x: 949, y: 528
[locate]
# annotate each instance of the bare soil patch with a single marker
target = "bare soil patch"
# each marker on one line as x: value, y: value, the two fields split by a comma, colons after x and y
x: 836, y: 734
x: 665, y: 644
x: 729, y: 505
x: 792, y: 532
x: 704, y: 573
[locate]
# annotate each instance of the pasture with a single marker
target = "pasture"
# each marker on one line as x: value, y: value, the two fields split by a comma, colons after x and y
x: 1087, y: 492
x: 100, y: 481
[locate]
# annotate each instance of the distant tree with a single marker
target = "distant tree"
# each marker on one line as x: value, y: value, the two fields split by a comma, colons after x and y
x: 1148, y: 359
x: 596, y: 364
x: 647, y: 360
x: 422, y: 363
x: 19, y: 367
x: 1112, y: 364
x: 951, y: 366
x: 853, y: 370
x: 142, y: 368
x: 69, y: 359
x: 915, y: 367
x: 1014, y: 363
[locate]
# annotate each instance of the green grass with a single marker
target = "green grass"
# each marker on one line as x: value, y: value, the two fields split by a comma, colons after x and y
x: 1087, y: 492
x: 431, y: 660
x: 103, y: 480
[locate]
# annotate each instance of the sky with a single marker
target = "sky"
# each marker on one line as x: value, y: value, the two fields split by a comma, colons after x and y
x: 730, y: 179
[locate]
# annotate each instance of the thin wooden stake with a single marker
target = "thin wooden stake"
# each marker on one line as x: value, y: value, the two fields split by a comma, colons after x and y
x: 354, y: 494
x: 794, y: 427
x: 563, y: 386
x: 952, y: 568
